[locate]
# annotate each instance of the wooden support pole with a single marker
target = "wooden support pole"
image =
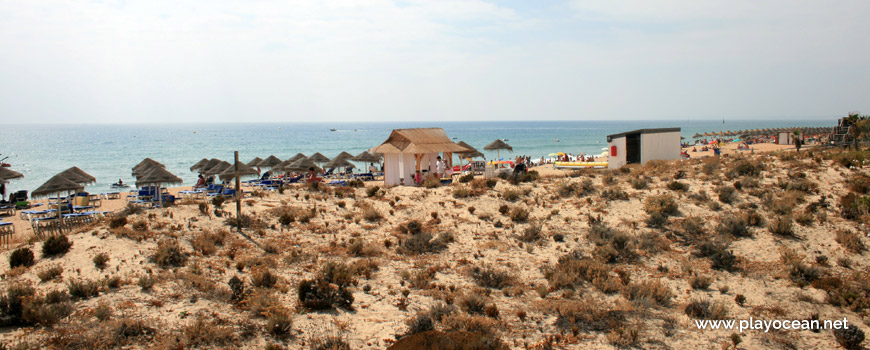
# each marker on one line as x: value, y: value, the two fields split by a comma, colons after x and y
x: 238, y: 193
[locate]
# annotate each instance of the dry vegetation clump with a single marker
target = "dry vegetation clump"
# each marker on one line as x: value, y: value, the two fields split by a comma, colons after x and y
x: 782, y: 226
x: 648, y: 293
x: 725, y: 194
x: 83, y: 288
x: 415, y: 240
x: 169, y: 254
x: 678, y: 186
x: 850, y: 240
x: 589, y: 315
x: 720, y: 257
x: 639, y: 182
x: 49, y: 273
x: 207, y: 242
x: 329, y: 289
x: 519, y: 214
x: 746, y: 167
x: 489, y: 277
x: 100, y: 260
x: 849, y: 339
x: 854, y: 206
x: 56, y: 245
x: 706, y: 310
x: 21, y: 257
x: 531, y: 233
x: 21, y: 305
x: 734, y: 225
x: 245, y: 221
x: 661, y: 204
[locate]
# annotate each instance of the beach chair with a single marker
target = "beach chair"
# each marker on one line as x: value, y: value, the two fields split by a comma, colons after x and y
x: 7, y: 229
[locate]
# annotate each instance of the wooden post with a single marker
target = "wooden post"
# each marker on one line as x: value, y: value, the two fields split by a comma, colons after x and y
x: 238, y: 193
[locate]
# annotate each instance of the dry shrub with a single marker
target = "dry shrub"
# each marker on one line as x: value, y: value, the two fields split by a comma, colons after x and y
x: 83, y: 288
x: 588, y: 315
x: 706, y: 310
x: 726, y: 194
x: 169, y: 254
x: 699, y: 282
x: 531, y: 233
x: 854, y: 207
x: 329, y: 289
x: 782, y: 226
x: 431, y: 182
x: 489, y: 277
x: 733, y: 224
x: 720, y: 257
x: 745, y: 167
x: 678, y: 186
x: 573, y: 269
x: 21, y: 257
x: 615, y: 193
x: 49, y: 273
x: 203, y: 332
x: 859, y: 183
x: 100, y: 260
x: 850, y: 338
x: 207, y: 242
x: 648, y: 292
x: 56, y: 245
x: 663, y: 204
x: 519, y: 214
x: 850, y: 240
x: 263, y: 278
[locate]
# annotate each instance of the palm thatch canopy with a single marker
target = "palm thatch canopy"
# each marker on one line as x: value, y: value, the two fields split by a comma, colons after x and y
x: 254, y: 162
x: 471, y: 152
x: 338, y: 163
x: 269, y: 162
x: 56, y: 184
x: 142, y: 170
x: 418, y: 141
x: 301, y: 165
x: 298, y: 156
x: 148, y: 162
x: 318, y: 158
x: 366, y: 157
x: 211, y: 163
x: 158, y: 176
x: 244, y: 170
x: 78, y: 176
x: 344, y: 155
x: 8, y: 174
x: 217, y: 169
x: 199, y: 164
x: 497, y: 145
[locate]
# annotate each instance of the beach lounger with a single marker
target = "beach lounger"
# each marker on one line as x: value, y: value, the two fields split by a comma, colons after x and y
x: 8, y: 209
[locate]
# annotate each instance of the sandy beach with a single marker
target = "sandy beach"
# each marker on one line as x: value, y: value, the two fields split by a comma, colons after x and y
x: 592, y: 259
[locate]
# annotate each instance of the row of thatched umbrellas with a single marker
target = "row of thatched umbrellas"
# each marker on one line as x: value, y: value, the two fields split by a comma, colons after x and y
x: 299, y: 163
x: 766, y: 132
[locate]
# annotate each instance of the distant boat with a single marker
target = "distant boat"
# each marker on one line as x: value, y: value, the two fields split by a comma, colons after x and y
x: 505, y: 140
x: 331, y: 129
x: 555, y: 140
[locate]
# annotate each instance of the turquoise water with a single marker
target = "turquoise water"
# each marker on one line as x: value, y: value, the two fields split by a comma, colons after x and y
x: 109, y: 151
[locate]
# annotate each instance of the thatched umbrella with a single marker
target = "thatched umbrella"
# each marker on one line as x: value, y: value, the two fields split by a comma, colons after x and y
x: 344, y: 155
x: 142, y: 170
x: 301, y: 165
x: 56, y: 185
x: 470, y: 153
x: 244, y: 170
x: 269, y: 162
x: 199, y: 164
x: 318, y: 158
x: 697, y: 135
x: 9, y: 174
x: 158, y: 176
x: 298, y: 156
x: 217, y: 169
x: 78, y: 176
x: 254, y: 162
x: 498, y: 145
x: 338, y: 163
x: 366, y: 157
x: 148, y: 162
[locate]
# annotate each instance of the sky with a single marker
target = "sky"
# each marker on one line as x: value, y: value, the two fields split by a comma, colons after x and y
x: 75, y: 61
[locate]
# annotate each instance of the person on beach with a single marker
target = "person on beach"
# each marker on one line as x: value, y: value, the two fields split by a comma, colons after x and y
x: 418, y: 178
x: 312, y: 176
x: 439, y: 167
x: 200, y: 182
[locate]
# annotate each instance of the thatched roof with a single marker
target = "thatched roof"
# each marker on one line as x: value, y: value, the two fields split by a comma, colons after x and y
x: 366, y: 157
x: 418, y: 141
x: 158, y: 175
x: 318, y: 158
x: 8, y: 174
x: 78, y: 176
x: 211, y: 163
x: 344, y: 155
x: 298, y: 156
x: 147, y: 162
x: 217, y: 169
x: 244, y: 170
x: 338, y: 163
x: 199, y: 164
x: 269, y: 162
x: 498, y: 144
x: 56, y: 184
x: 301, y: 165
x: 142, y: 170
x: 255, y: 162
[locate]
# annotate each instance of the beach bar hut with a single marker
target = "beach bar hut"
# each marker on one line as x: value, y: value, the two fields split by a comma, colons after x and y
x: 409, y: 150
x: 643, y: 145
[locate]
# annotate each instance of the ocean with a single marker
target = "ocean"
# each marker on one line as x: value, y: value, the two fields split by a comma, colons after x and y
x: 109, y: 151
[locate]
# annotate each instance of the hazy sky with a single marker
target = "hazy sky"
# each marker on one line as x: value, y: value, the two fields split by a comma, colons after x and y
x: 380, y: 60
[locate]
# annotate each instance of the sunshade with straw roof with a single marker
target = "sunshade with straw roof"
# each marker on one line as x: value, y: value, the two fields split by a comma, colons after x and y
x: 338, y: 163
x: 211, y: 163
x: 199, y: 164
x: 280, y: 167
x: 344, y: 155
x: 254, y: 162
x: 145, y: 169
x: 9, y: 174
x: 301, y: 165
x: 366, y: 157
x: 498, y: 145
x: 298, y: 156
x: 78, y: 176
x: 217, y: 169
x: 148, y: 162
x: 318, y: 158
x: 244, y: 170
x: 418, y: 141
x: 471, y: 152
x: 269, y: 162
x: 56, y: 185
x: 158, y: 176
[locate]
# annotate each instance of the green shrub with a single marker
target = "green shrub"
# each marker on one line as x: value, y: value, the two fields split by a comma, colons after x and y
x: 56, y: 245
